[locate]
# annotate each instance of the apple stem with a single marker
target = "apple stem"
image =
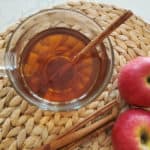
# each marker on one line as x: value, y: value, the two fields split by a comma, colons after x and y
x: 148, y: 79
x: 144, y: 137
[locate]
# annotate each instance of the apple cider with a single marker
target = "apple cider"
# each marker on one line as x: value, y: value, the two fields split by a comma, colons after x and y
x: 44, y: 62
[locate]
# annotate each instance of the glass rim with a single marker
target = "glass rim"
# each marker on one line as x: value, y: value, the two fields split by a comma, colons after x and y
x: 59, y: 106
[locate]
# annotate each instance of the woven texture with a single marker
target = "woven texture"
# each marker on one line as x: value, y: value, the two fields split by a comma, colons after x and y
x: 23, y: 126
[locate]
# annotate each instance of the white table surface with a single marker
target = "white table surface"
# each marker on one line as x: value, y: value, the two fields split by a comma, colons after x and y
x: 12, y: 10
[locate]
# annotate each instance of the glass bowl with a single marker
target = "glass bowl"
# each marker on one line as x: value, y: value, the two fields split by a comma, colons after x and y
x: 42, y: 21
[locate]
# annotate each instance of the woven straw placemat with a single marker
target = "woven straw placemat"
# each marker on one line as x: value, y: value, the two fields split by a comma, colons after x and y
x: 23, y: 126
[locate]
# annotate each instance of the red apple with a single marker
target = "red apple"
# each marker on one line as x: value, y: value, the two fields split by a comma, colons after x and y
x: 134, y: 82
x: 132, y: 131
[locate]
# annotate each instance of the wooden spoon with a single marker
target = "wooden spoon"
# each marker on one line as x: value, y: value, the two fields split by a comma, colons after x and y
x: 97, y: 40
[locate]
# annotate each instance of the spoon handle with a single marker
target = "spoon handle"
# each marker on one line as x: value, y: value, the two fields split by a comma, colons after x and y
x: 104, y: 34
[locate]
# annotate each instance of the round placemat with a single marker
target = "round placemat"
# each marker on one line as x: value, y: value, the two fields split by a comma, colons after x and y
x: 25, y: 127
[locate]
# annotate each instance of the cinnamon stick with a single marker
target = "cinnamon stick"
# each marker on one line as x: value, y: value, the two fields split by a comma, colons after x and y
x: 89, y: 137
x: 69, y: 138
x: 91, y: 117
x: 73, y: 135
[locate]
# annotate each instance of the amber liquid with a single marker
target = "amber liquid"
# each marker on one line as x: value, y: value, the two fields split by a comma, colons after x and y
x: 44, y: 62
